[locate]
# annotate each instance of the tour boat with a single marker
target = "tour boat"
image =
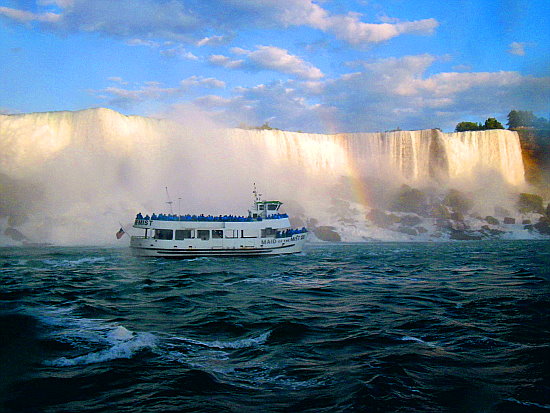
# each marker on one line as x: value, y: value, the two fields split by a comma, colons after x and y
x: 264, y: 231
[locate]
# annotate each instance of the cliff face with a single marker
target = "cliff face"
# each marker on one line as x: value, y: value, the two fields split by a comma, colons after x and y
x: 535, y: 146
x: 60, y: 171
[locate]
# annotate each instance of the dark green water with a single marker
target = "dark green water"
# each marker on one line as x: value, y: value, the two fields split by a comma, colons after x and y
x: 363, y: 327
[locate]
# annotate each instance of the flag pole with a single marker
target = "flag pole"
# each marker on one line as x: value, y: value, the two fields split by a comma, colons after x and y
x: 123, y: 229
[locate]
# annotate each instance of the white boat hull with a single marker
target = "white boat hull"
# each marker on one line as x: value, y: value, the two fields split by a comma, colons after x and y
x: 147, y: 247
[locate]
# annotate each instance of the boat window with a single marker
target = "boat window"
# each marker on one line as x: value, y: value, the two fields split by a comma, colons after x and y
x: 231, y: 233
x: 261, y: 207
x: 203, y: 234
x: 217, y: 233
x: 249, y: 233
x: 268, y: 232
x: 184, y: 234
x: 163, y: 234
x: 272, y: 207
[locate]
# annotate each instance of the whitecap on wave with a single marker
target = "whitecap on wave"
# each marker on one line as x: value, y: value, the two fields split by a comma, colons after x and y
x: 73, y: 263
x: 235, y: 344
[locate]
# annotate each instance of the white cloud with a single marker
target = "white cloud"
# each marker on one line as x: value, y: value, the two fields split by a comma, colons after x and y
x: 27, y: 17
x: 153, y: 90
x: 349, y: 27
x: 517, y: 48
x: 224, y: 61
x: 117, y: 79
x: 385, y: 94
x: 279, y: 103
x: 209, y: 82
x: 141, y: 42
x: 178, y: 51
x: 269, y: 58
x: 214, y: 40
x: 175, y: 19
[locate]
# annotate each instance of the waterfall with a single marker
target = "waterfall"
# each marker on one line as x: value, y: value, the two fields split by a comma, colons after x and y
x: 413, y: 156
x: 72, y: 176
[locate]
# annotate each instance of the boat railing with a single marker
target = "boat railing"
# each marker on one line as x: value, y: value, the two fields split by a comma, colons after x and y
x: 141, y: 220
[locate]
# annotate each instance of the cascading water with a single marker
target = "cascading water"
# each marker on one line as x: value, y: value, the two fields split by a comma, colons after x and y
x: 413, y: 155
x: 72, y: 176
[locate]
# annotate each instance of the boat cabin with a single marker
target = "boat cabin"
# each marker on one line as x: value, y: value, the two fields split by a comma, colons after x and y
x: 264, y: 209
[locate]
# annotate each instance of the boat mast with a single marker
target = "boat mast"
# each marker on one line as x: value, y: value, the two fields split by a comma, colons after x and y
x: 257, y: 196
x: 169, y: 202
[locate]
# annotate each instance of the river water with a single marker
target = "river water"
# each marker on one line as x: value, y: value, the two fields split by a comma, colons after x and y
x: 400, y: 327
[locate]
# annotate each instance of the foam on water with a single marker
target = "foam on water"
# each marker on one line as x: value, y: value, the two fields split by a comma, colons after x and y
x: 120, y: 349
x: 74, y: 263
x: 417, y: 340
x: 240, y: 343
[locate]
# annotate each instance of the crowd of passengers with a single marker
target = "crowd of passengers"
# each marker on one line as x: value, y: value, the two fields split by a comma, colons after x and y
x: 290, y: 232
x: 202, y: 217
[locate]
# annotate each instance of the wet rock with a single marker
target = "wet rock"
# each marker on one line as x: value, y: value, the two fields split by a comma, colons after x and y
x: 458, y: 201
x: 487, y: 230
x: 492, y: 220
x: 530, y: 203
x: 410, y: 220
x: 407, y: 230
x: 457, y: 216
x: 440, y: 211
x: 15, y: 234
x: 543, y: 226
x: 327, y: 233
x: 381, y: 219
x: 508, y: 220
x: 443, y: 223
x: 459, y: 225
x: 526, y: 222
x: 464, y: 235
x: 410, y: 200
x: 421, y: 230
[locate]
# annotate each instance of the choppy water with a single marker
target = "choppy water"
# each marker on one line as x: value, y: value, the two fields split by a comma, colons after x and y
x: 371, y: 327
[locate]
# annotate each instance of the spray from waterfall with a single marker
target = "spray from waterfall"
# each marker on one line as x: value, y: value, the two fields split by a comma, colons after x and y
x: 70, y: 177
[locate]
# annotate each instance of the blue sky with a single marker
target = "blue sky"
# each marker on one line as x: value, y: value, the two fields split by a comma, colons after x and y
x: 316, y: 66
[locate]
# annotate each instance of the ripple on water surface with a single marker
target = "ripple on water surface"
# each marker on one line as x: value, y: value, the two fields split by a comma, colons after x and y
x: 367, y: 327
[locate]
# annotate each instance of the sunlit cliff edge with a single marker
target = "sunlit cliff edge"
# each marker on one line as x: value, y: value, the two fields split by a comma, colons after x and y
x: 70, y: 177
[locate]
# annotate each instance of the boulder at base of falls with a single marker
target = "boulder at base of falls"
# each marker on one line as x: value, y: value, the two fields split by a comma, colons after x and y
x: 15, y: 234
x: 381, y: 219
x: 407, y: 230
x: 530, y: 203
x: 491, y: 232
x: 327, y: 233
x: 410, y: 220
x: 492, y: 220
x: 543, y: 226
x: 508, y: 220
x: 409, y: 199
x: 463, y: 235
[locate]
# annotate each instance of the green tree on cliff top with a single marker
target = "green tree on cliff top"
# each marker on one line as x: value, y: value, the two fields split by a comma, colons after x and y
x: 467, y: 126
x: 490, y: 123
x: 520, y: 118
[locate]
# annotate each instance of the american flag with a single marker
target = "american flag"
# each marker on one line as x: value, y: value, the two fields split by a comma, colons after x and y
x: 120, y: 233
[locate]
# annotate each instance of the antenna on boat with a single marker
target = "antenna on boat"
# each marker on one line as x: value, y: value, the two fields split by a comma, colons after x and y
x: 169, y: 202
x: 257, y: 196
x: 179, y: 206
